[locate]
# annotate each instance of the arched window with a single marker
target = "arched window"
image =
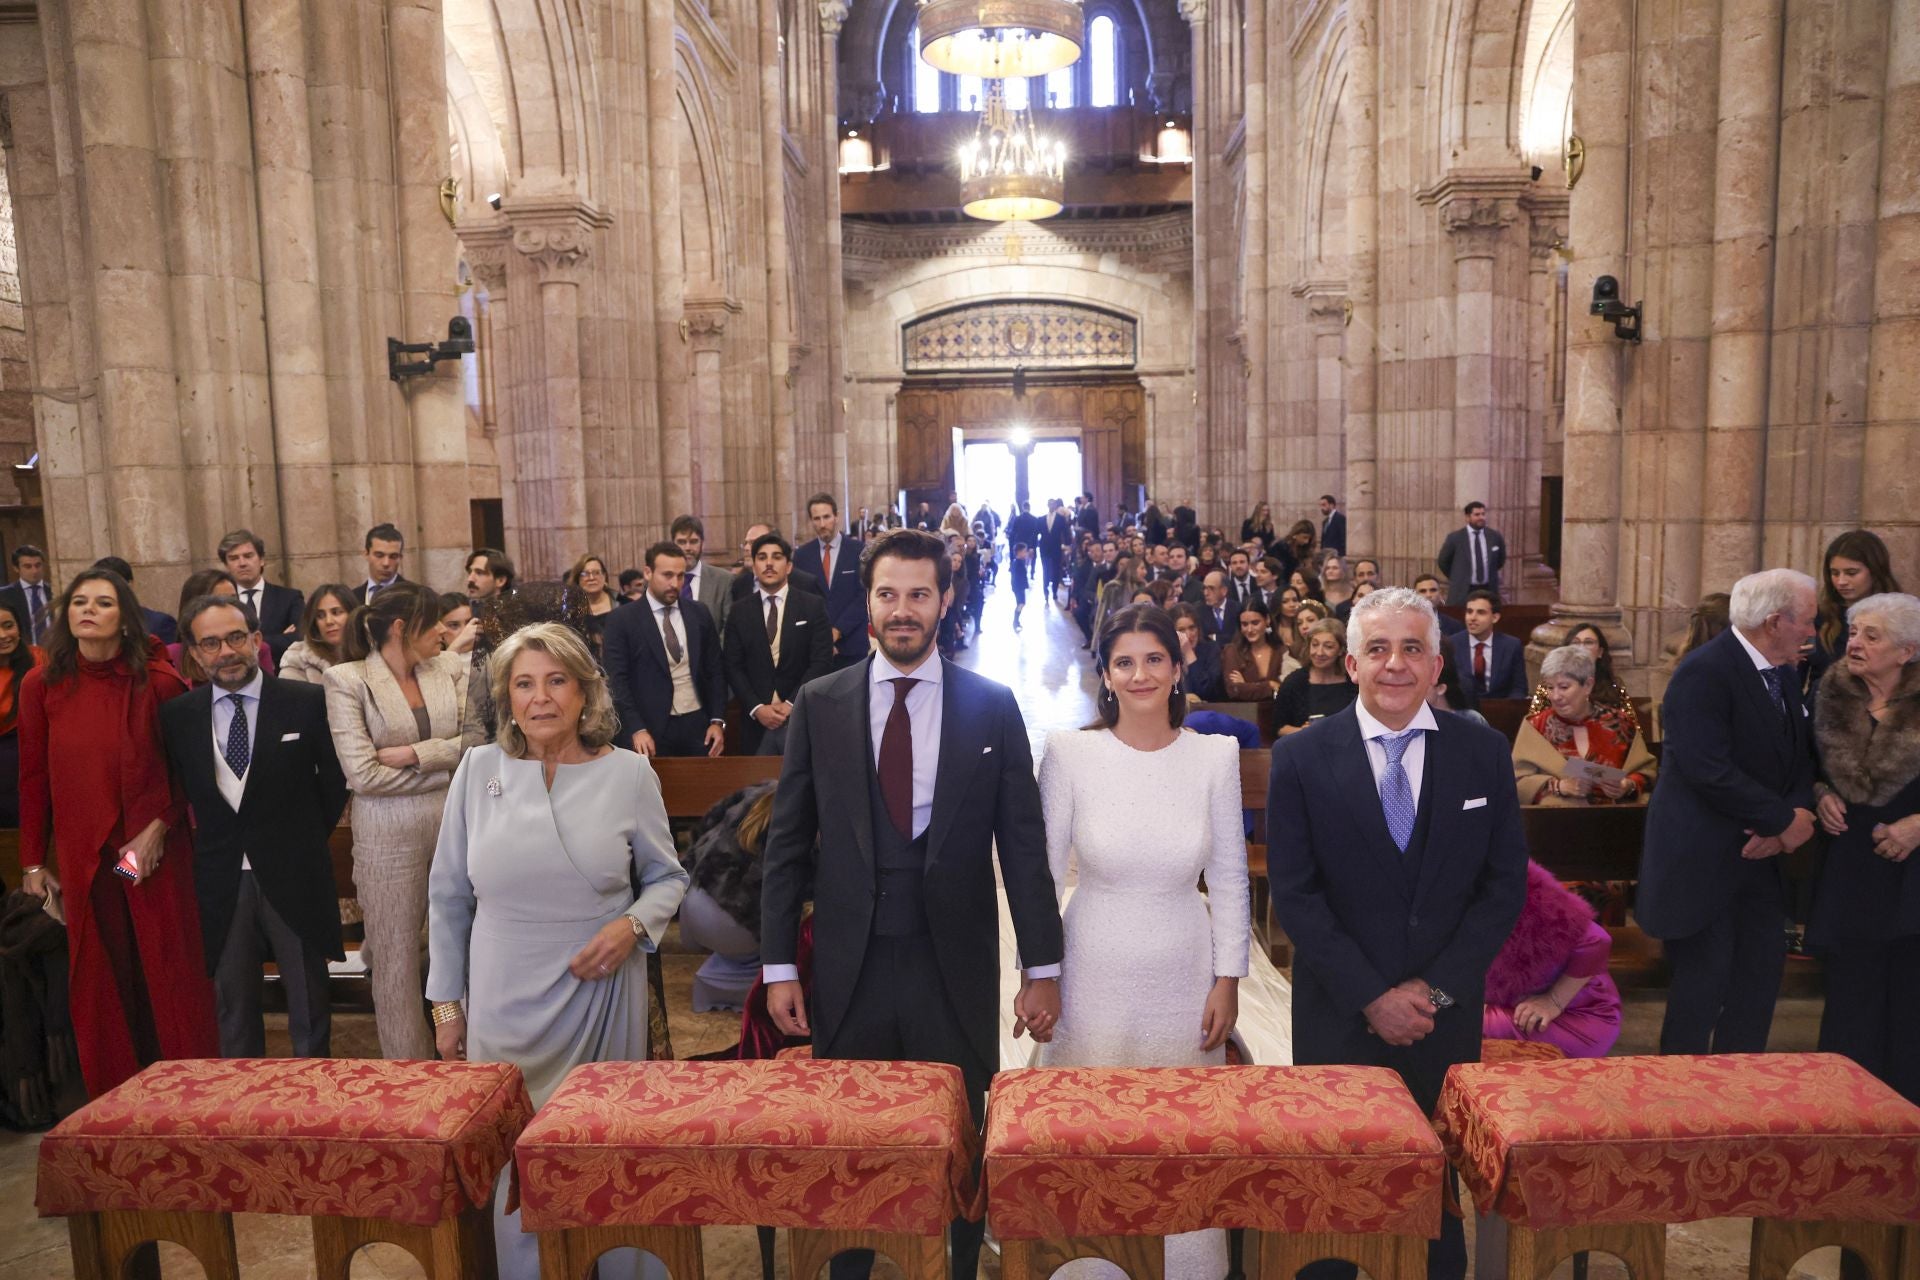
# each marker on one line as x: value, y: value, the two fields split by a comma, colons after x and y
x: 1103, y: 63
x: 973, y: 93
x: 926, y: 77
x: 1059, y: 88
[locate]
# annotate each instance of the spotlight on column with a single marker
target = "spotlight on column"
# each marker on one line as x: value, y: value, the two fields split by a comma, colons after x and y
x: 459, y: 342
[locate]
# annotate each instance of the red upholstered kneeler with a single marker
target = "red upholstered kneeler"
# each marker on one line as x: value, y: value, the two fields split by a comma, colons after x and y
x: 870, y: 1155
x: 1603, y: 1153
x: 1098, y: 1162
x: 402, y: 1152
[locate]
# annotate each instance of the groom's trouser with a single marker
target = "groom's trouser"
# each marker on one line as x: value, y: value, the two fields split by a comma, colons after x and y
x: 900, y: 1012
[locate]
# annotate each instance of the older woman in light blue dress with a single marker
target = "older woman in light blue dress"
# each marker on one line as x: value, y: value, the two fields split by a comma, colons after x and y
x: 533, y: 917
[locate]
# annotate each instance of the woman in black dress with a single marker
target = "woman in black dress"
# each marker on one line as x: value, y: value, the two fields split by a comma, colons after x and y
x: 589, y: 577
x: 1319, y: 688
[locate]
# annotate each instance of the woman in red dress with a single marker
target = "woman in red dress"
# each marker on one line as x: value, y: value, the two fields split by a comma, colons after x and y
x: 94, y: 785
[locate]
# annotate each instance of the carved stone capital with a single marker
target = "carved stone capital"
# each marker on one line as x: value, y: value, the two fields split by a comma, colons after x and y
x: 1547, y: 226
x: 1327, y: 303
x: 1477, y: 207
x: 1193, y: 10
x: 703, y: 321
x: 833, y: 16
x: 486, y: 247
x: 555, y: 236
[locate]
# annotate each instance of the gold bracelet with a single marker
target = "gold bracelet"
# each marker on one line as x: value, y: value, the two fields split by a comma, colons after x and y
x: 445, y: 1011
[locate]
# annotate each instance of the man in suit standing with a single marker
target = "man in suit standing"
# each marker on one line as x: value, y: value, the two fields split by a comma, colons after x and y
x: 1333, y: 524
x: 834, y: 561
x: 1492, y: 663
x: 278, y: 609
x: 1398, y: 865
x: 662, y: 657
x: 489, y: 572
x: 1056, y: 536
x: 29, y: 595
x: 1472, y: 556
x: 1087, y: 516
x: 781, y: 640
x: 1736, y: 791
x: 710, y: 585
x: 384, y: 548
x: 256, y: 761
x: 1428, y: 585
x: 743, y: 581
x: 906, y: 947
x: 1242, y: 589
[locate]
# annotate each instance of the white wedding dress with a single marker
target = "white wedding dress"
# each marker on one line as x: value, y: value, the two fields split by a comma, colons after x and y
x: 1143, y: 945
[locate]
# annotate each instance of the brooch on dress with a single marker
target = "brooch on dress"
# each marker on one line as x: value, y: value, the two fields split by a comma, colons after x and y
x: 493, y: 787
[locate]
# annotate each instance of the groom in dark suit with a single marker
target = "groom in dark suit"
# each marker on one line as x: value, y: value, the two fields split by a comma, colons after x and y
x: 908, y: 771
x: 256, y: 761
x: 1398, y: 865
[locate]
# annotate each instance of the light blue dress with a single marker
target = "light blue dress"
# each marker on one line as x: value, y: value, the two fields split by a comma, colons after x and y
x: 522, y: 879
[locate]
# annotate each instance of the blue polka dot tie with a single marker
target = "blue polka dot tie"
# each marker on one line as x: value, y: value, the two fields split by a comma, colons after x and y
x: 1396, y: 793
x: 239, y: 749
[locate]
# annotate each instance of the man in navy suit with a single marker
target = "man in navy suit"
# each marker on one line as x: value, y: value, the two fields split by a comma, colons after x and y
x: 664, y: 667
x: 278, y: 609
x: 1398, y: 865
x: 31, y: 596
x: 1333, y: 524
x: 1493, y: 663
x: 834, y: 559
x: 1736, y: 792
x: 1428, y: 585
x: 1472, y: 556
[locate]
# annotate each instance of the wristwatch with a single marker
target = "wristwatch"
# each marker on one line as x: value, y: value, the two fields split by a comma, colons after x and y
x: 1438, y: 998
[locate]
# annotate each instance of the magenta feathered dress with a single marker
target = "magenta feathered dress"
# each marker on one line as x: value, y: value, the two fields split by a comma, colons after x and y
x: 1555, y: 935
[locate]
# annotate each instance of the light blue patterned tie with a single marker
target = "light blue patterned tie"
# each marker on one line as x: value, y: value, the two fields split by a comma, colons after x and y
x: 1396, y: 794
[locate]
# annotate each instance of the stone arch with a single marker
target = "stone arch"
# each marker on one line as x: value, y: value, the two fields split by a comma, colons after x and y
x: 707, y: 213
x: 1322, y: 220
x: 1476, y: 71
x: 1543, y: 107
x: 479, y: 160
x: 531, y: 62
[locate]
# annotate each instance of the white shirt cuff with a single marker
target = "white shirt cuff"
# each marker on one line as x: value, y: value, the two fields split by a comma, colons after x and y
x: 1040, y: 971
x: 773, y: 973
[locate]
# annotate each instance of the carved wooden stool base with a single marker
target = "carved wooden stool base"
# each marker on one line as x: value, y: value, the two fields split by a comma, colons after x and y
x: 460, y: 1246
x: 104, y: 1243
x: 570, y: 1254
x: 1533, y: 1253
x: 1141, y: 1257
x: 1383, y: 1257
x: 1777, y: 1245
x: 918, y: 1257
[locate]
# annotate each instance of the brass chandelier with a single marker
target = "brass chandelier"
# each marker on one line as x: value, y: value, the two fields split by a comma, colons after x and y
x: 1008, y: 172
x: 1000, y: 39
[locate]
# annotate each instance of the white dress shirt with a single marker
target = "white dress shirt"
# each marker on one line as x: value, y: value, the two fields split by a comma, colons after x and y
x: 1760, y: 662
x: 233, y: 787
x: 1413, y: 759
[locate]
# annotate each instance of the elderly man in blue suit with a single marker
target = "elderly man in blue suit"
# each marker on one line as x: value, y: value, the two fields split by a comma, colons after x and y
x: 834, y: 558
x: 1736, y: 792
x: 1398, y: 865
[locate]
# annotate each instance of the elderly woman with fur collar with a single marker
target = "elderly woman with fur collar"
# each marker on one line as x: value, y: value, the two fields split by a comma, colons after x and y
x: 1866, y: 918
x: 1550, y: 982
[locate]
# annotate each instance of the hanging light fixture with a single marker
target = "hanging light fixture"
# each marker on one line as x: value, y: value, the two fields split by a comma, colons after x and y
x: 1000, y: 39
x: 1008, y: 172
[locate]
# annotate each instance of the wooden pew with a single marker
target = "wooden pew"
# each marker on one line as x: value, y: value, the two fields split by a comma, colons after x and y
x: 692, y: 785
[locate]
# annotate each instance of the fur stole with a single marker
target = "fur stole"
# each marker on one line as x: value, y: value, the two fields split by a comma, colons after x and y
x: 1551, y: 924
x: 1867, y: 763
x: 720, y: 864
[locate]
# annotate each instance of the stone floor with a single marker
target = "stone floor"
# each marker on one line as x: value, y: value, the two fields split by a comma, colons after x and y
x: 1054, y: 679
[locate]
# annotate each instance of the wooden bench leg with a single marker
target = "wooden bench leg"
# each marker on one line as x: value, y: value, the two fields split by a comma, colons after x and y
x: 1382, y: 1257
x: 1532, y: 1254
x: 458, y: 1247
x: 104, y: 1243
x: 1778, y: 1245
x: 1141, y: 1257
x: 570, y: 1255
x: 918, y: 1257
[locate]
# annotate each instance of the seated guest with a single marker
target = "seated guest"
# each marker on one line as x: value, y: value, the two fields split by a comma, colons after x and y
x: 1574, y: 726
x: 1866, y: 916
x: 1428, y: 585
x: 208, y: 582
x: 1336, y: 585
x: 459, y: 625
x: 1494, y: 661
x: 721, y: 912
x: 1282, y: 622
x: 1322, y: 686
x: 321, y: 630
x: 1607, y: 691
x: 1158, y: 593
x: 1199, y: 657
x: 1447, y: 693
x: 589, y: 577
x: 774, y: 643
x: 1307, y: 584
x: 553, y: 875
x: 17, y: 658
x: 1304, y: 618
x: 159, y: 625
x: 1550, y: 982
x: 256, y: 762
x: 1253, y: 664
x: 1268, y: 579
x: 1361, y: 590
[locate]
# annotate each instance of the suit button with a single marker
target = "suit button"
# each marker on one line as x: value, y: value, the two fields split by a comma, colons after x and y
x: 1413, y: 922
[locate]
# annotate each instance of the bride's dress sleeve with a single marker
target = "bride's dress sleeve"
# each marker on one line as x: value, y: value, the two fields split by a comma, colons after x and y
x: 1227, y: 901
x: 1056, y: 805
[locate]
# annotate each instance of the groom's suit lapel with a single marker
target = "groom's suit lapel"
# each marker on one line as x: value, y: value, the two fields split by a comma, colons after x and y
x: 963, y: 741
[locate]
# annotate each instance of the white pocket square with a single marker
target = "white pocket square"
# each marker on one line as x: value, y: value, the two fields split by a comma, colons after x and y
x: 1480, y: 803
x: 799, y: 622
x: 986, y: 751
x: 289, y: 737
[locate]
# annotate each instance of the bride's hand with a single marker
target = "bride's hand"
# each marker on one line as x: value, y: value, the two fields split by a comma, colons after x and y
x: 1221, y: 1012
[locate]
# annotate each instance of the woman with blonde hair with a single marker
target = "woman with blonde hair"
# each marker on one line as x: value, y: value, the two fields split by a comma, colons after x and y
x: 554, y: 875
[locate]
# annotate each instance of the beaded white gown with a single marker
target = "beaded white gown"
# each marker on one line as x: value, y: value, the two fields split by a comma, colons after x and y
x: 1143, y: 945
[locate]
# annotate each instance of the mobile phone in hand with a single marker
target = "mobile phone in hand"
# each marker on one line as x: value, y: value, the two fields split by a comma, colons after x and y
x: 128, y: 865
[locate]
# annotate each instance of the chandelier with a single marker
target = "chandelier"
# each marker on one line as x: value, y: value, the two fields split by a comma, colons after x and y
x: 1000, y: 39
x: 1008, y: 172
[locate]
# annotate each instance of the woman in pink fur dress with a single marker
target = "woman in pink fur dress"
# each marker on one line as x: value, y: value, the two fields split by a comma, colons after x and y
x: 1550, y: 982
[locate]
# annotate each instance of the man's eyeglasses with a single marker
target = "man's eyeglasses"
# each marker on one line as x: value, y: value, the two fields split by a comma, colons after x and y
x: 238, y: 641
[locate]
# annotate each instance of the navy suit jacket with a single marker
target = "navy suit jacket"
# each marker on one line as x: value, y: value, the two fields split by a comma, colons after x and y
x: 1506, y: 666
x: 1729, y: 766
x: 846, y: 598
x: 1333, y: 534
x: 1365, y: 917
x: 638, y: 676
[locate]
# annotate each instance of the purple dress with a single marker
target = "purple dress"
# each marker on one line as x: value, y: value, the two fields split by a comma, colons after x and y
x: 1590, y: 1023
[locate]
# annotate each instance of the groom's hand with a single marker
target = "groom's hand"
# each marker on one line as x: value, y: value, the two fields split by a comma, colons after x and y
x: 1036, y: 1009
x: 1402, y: 1015
x: 789, y: 1008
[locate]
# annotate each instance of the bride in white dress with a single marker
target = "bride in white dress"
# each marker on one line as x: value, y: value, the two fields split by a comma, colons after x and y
x: 1141, y: 808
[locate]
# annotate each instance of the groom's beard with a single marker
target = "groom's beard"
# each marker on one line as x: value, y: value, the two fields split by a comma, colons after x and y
x: 902, y: 648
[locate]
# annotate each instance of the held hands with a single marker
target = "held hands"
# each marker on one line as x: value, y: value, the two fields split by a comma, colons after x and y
x: 1402, y: 1014
x: 1222, y: 1011
x: 605, y: 952
x: 788, y: 1006
x: 1036, y: 1009
x: 1833, y: 814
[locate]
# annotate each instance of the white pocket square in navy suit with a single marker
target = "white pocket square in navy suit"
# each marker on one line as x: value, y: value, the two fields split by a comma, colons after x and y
x: 799, y: 622
x: 290, y: 737
x: 1479, y: 803
x: 986, y: 751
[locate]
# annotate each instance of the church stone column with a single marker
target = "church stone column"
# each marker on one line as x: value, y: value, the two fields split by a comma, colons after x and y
x: 1890, y: 496
x: 1546, y: 236
x: 1363, y: 275
x: 669, y: 261
x: 707, y: 320
x: 490, y: 255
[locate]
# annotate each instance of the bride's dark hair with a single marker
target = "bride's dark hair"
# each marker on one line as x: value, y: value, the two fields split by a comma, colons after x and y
x: 1158, y: 623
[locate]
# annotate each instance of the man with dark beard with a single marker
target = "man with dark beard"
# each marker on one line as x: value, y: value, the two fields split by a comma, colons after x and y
x: 906, y: 935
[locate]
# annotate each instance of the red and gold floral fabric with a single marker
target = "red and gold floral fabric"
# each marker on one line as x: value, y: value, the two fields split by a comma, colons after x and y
x: 862, y: 1146
x: 1643, y: 1140
x: 414, y: 1142
x: 1520, y: 1051
x: 1084, y: 1151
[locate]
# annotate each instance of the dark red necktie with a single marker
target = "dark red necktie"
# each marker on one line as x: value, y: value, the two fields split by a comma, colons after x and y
x: 1480, y: 663
x: 896, y: 758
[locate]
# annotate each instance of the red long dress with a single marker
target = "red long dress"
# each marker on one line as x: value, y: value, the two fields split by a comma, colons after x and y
x: 92, y: 769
